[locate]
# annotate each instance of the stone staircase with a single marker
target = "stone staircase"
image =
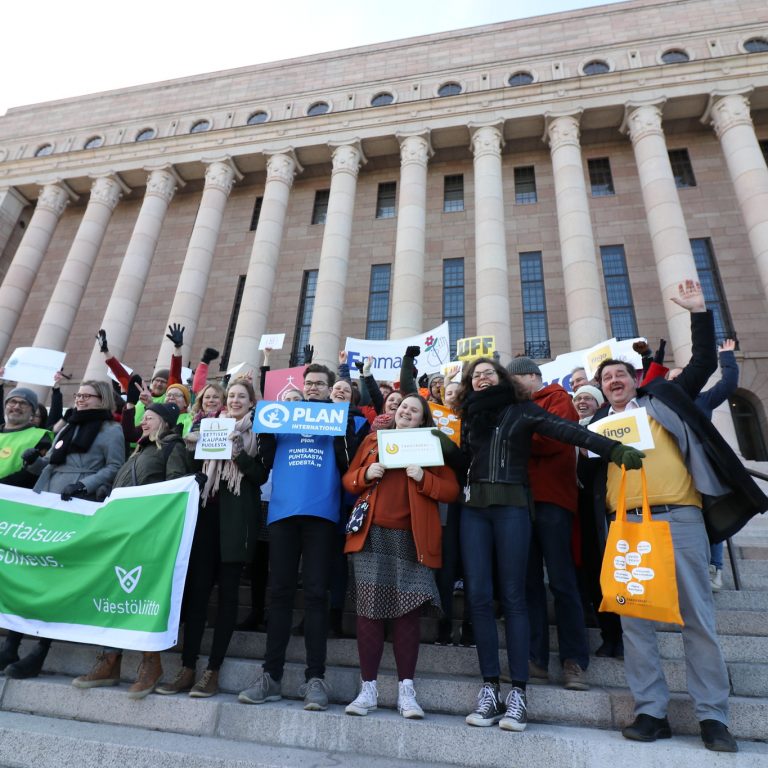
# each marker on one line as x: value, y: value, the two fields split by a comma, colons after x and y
x: 47, y: 722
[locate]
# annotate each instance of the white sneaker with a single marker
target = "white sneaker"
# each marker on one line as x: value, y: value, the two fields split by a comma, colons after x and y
x: 715, y: 578
x: 407, y: 705
x: 365, y: 701
x: 516, y: 717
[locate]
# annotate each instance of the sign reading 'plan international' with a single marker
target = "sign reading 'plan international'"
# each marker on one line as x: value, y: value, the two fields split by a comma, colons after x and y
x: 297, y: 418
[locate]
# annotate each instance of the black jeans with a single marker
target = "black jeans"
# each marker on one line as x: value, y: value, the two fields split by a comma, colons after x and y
x: 452, y: 565
x: 311, y: 540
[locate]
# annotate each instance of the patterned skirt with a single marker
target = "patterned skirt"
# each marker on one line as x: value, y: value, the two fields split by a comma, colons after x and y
x: 387, y: 580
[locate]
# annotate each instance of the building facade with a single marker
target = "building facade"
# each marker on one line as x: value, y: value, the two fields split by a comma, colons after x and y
x: 547, y: 181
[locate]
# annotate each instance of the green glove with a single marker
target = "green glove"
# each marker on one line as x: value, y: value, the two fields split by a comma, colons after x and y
x: 626, y: 456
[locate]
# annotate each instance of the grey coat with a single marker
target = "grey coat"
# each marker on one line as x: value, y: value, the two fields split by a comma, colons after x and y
x: 93, y: 468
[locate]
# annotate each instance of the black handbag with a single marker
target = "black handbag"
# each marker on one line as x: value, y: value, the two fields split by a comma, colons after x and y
x: 359, y: 512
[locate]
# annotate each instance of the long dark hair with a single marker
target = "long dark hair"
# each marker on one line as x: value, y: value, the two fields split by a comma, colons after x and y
x: 465, y: 389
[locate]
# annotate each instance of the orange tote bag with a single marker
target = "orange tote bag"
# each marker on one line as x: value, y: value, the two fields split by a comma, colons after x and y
x: 638, y: 571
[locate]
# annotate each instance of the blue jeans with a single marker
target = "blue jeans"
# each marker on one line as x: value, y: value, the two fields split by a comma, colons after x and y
x: 503, y: 532
x: 716, y: 555
x: 551, y: 545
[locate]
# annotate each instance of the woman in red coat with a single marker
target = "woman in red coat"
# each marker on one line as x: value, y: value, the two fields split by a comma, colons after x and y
x: 393, y: 555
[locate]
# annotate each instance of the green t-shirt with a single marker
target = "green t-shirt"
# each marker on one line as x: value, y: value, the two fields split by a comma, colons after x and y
x: 13, y: 444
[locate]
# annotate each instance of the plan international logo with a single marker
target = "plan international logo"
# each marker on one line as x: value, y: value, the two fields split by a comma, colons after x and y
x: 128, y: 580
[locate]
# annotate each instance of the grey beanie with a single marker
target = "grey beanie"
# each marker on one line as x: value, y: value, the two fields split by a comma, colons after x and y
x: 522, y: 365
x: 24, y: 394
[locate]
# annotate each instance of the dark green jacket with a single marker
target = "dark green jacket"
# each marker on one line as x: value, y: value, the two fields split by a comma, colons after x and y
x: 153, y: 464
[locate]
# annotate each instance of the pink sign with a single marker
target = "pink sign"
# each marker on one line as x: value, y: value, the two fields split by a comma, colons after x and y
x: 282, y: 381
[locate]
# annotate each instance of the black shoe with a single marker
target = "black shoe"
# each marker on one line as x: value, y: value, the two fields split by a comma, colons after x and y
x: 29, y: 666
x: 717, y: 737
x: 444, y: 632
x: 249, y: 624
x: 648, y: 728
x: 611, y: 649
x: 8, y: 655
x: 467, y: 635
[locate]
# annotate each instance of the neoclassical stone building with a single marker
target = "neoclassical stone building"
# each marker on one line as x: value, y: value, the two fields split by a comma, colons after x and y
x: 546, y: 181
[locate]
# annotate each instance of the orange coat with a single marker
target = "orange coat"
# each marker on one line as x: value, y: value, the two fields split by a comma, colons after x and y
x: 438, y: 484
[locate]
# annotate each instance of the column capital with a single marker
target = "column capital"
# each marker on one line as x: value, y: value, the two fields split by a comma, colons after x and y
x: 283, y: 165
x: 347, y: 157
x: 486, y: 138
x: 163, y: 182
x: 415, y: 148
x: 221, y: 174
x: 107, y: 190
x: 642, y: 119
x: 562, y: 129
x: 53, y: 197
x: 726, y: 110
x: 16, y: 195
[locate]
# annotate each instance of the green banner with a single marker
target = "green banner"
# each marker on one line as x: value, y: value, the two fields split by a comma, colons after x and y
x: 110, y: 573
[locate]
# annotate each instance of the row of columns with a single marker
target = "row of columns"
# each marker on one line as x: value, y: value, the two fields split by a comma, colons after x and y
x: 728, y: 113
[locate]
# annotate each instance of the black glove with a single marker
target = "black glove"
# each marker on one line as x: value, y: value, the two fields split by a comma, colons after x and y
x: 101, y: 337
x: 30, y: 456
x: 359, y: 364
x: 134, y: 389
x: 309, y: 351
x: 626, y: 456
x: 102, y: 492
x: 73, y: 490
x: 424, y: 381
x: 209, y: 354
x: 176, y: 334
x: 201, y: 479
x: 412, y: 352
x: 659, y: 356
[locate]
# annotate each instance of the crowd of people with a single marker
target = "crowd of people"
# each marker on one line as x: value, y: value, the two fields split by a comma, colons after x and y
x: 527, y: 489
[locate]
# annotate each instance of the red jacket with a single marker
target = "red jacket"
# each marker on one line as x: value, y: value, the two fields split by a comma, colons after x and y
x: 552, y: 466
x: 438, y: 484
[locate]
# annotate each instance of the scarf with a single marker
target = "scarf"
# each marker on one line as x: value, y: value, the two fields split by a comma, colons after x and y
x: 78, y: 434
x: 226, y: 469
x: 483, y: 408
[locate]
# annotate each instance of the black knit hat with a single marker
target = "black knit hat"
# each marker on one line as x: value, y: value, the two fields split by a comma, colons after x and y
x: 168, y: 412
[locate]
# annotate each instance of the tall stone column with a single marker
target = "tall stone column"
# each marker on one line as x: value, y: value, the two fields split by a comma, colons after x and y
x: 60, y: 313
x: 29, y: 256
x: 669, y: 236
x: 408, y: 280
x: 187, y: 304
x: 134, y: 270
x: 11, y: 205
x: 733, y: 125
x: 330, y: 293
x: 491, y: 275
x: 581, y: 277
x: 262, y: 268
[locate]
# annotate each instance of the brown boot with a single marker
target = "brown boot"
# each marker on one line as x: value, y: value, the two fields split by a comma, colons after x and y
x: 184, y: 680
x: 207, y: 685
x: 106, y: 671
x: 148, y: 676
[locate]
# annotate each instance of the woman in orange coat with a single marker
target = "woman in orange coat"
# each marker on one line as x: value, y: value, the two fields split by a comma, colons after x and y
x: 393, y: 555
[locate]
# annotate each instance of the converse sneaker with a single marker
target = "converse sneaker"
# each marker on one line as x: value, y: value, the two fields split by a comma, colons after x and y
x: 366, y: 700
x: 315, y: 693
x: 264, y: 688
x: 407, y: 705
x: 489, y: 709
x: 716, y: 578
x: 516, y: 717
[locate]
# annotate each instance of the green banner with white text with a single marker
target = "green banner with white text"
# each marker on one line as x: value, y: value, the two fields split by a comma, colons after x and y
x: 110, y: 574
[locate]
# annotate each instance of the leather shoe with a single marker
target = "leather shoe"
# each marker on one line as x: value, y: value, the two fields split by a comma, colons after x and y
x: 717, y: 737
x: 648, y: 728
x: 613, y: 649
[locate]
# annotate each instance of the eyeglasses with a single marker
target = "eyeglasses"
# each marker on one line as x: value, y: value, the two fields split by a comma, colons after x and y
x: 487, y: 373
x: 315, y: 384
x: 85, y: 396
x: 18, y: 403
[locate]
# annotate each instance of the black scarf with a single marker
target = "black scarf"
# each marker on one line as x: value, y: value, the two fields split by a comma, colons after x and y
x: 483, y: 408
x: 78, y: 434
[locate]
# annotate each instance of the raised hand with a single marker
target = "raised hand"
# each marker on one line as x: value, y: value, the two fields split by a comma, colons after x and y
x: 342, y: 357
x: 729, y: 345
x: 176, y: 334
x: 690, y: 296
x: 309, y: 352
x: 101, y: 337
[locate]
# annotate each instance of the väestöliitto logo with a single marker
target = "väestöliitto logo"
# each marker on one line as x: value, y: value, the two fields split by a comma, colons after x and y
x: 128, y: 580
x: 392, y: 449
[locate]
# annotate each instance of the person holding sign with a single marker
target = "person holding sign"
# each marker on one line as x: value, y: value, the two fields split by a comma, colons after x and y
x: 392, y: 557
x: 698, y: 484
x: 497, y: 429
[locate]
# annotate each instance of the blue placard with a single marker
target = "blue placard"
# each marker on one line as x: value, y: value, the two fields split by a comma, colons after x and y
x: 308, y: 418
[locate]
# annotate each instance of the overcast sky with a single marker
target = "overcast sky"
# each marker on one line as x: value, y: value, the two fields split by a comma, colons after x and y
x: 52, y: 49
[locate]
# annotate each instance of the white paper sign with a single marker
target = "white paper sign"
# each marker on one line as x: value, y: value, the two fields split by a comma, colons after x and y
x: 628, y: 427
x: 452, y: 371
x: 272, y: 341
x: 34, y: 365
x: 214, y: 442
x: 401, y: 447
x: 618, y: 350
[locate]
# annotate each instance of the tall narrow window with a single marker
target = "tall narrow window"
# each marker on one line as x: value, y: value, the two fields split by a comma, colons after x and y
x: 378, y: 302
x: 224, y: 362
x: 618, y: 291
x: 764, y: 148
x: 385, y: 200
x: 453, y: 193
x: 600, y: 177
x: 682, y: 169
x: 256, y: 213
x: 320, y: 208
x: 525, y: 185
x: 304, y: 316
x: 453, y: 300
x: 711, y: 285
x: 534, y: 305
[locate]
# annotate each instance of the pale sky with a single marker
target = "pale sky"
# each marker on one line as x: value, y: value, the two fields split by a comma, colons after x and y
x: 53, y: 50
